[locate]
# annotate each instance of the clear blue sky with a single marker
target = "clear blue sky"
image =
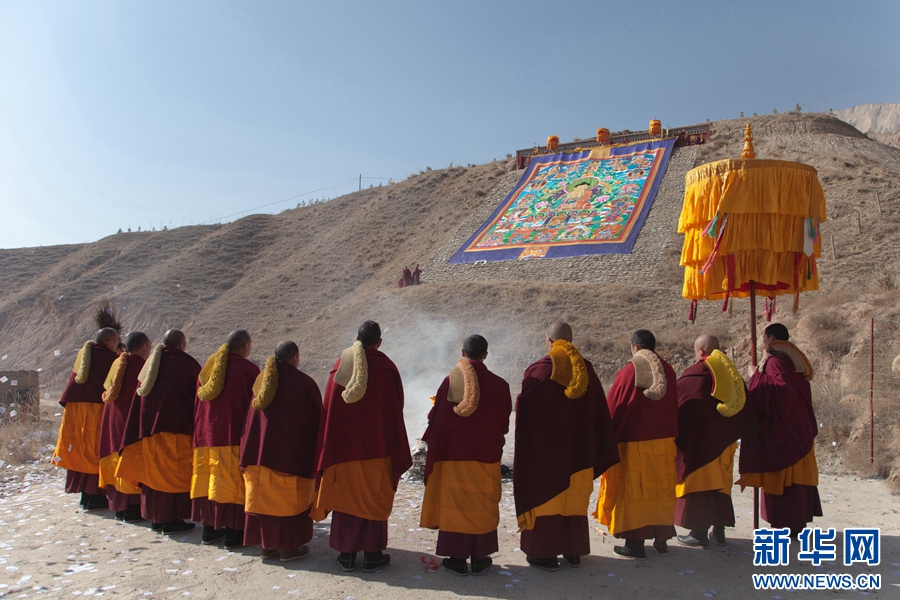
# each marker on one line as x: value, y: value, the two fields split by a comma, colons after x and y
x: 118, y: 114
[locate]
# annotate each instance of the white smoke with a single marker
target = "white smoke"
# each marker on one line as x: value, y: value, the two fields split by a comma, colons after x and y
x: 424, y: 350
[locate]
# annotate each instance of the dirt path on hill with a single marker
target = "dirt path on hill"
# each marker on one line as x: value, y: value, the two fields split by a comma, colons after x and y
x: 50, y: 548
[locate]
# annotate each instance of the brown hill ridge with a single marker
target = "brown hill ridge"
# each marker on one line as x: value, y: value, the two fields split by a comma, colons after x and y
x: 312, y: 274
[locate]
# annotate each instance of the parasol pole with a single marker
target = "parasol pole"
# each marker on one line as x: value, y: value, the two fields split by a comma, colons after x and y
x: 753, y: 363
x: 749, y: 152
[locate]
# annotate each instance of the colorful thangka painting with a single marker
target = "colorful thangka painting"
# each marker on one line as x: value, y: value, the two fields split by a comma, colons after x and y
x: 592, y: 202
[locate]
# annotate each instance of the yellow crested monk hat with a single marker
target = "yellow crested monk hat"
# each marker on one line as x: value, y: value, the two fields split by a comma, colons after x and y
x: 212, y: 376
x: 266, y: 385
x: 801, y: 363
x: 649, y: 374
x: 353, y: 373
x: 464, y: 390
x: 728, y: 386
x: 568, y: 368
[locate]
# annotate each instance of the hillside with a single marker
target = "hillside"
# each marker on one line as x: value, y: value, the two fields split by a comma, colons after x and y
x: 312, y: 274
x: 872, y: 118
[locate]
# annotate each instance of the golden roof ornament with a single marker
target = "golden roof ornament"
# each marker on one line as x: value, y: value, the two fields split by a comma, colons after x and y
x: 749, y: 151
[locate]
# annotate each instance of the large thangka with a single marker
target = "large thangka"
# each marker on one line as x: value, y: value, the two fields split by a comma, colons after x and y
x: 592, y: 202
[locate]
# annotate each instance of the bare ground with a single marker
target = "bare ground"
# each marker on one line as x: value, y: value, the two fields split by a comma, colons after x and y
x: 50, y: 548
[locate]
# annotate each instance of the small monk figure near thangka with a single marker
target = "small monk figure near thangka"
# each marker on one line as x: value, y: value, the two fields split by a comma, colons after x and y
x: 465, y: 437
x: 407, y: 276
x: 416, y: 275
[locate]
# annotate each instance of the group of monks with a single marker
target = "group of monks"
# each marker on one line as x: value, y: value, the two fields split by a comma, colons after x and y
x: 410, y: 277
x: 255, y: 456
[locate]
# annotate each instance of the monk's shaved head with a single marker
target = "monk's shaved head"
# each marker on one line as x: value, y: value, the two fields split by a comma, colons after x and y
x: 559, y: 331
x: 369, y: 334
x: 237, y: 339
x: 136, y: 340
x: 174, y: 338
x: 644, y: 339
x: 107, y: 335
x: 778, y: 331
x: 706, y: 343
x: 286, y: 350
x: 475, y: 347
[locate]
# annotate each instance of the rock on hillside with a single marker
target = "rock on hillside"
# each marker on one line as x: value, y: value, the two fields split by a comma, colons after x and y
x: 872, y: 118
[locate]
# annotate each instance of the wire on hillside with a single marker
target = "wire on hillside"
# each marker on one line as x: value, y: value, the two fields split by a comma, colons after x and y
x: 331, y: 188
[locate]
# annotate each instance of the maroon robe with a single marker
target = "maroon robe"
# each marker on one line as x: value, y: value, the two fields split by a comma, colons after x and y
x: 556, y: 437
x: 283, y: 437
x: 703, y: 435
x: 782, y: 399
x: 478, y: 437
x: 783, y: 402
x: 220, y: 422
x: 169, y: 408
x: 112, y: 428
x: 115, y: 414
x: 91, y: 390
x: 636, y: 418
x: 370, y: 428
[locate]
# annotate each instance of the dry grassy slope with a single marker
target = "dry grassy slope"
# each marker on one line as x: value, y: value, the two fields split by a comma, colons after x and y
x: 313, y: 273
x: 275, y: 275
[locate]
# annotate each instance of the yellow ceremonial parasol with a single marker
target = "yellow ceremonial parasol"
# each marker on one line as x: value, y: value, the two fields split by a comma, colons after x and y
x: 751, y: 226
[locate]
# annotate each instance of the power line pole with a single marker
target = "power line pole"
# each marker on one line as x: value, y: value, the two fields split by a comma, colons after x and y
x: 360, y: 181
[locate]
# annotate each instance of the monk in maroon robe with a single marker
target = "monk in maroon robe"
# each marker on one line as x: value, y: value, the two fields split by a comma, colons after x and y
x: 416, y: 275
x: 564, y: 441
x: 781, y: 458
x: 363, y: 450
x: 278, y: 457
x: 637, y: 496
x: 124, y: 497
x: 224, y: 393
x: 78, y: 443
x: 466, y: 432
x: 156, y: 450
x: 714, y: 412
x: 407, y: 276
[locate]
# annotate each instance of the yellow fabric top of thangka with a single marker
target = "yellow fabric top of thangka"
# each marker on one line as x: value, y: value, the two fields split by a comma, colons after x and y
x: 751, y: 220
